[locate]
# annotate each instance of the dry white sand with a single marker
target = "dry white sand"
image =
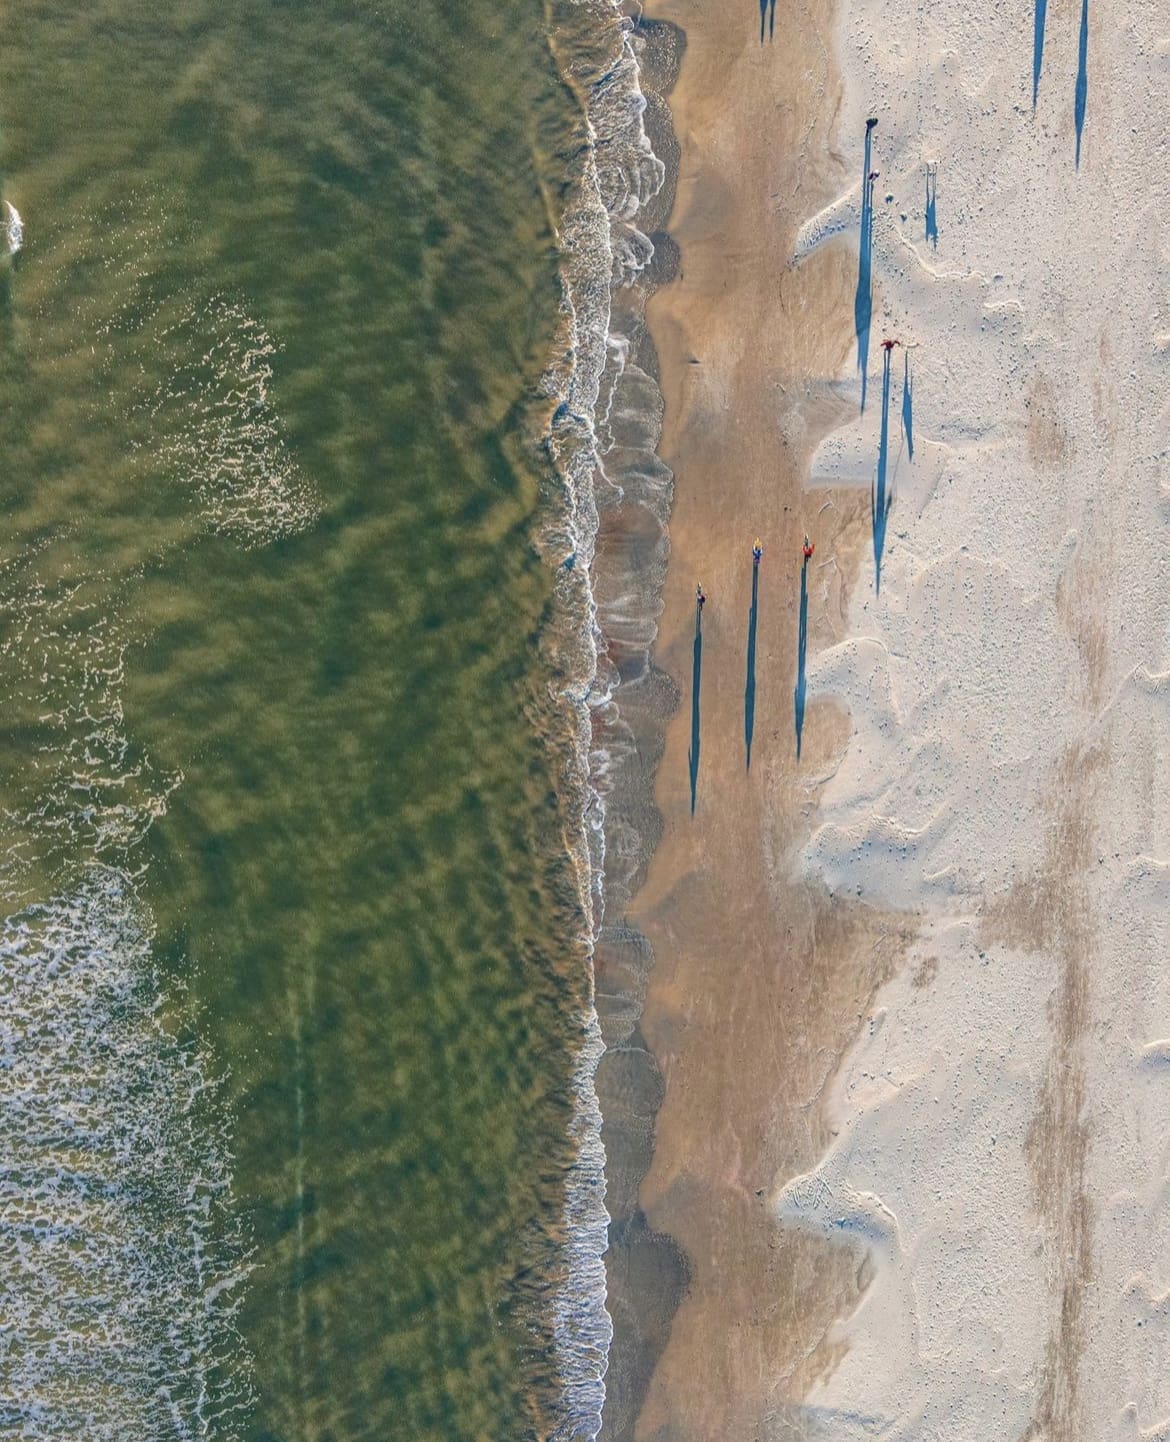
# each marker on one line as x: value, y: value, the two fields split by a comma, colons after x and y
x: 1003, y: 1145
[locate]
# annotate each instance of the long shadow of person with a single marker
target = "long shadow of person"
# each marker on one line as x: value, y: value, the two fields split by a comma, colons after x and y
x: 696, y: 679
x: 863, y: 299
x: 880, y: 496
x: 1039, y: 16
x: 908, y: 408
x: 749, y: 694
x: 1082, y: 91
x: 801, y: 656
x: 931, y: 204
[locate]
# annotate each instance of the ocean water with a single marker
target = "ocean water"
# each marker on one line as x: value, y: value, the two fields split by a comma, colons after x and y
x: 300, y: 856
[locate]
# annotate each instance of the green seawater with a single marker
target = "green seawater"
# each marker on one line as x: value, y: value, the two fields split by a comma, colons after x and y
x: 275, y: 685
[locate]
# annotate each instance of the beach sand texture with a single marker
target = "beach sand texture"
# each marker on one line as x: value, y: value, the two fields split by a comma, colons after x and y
x: 910, y: 1001
x: 760, y: 981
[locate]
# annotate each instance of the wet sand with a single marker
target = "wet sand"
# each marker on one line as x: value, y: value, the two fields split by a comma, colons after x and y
x: 759, y: 984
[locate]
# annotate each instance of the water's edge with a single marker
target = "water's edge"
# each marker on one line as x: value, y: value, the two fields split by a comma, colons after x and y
x: 610, y: 543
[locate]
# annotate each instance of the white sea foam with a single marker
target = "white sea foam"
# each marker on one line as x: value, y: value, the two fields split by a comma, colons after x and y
x: 88, y: 790
x: 602, y: 249
x: 226, y: 438
x: 14, y: 229
x: 119, y: 1259
x: 121, y: 1256
x: 1002, y: 1134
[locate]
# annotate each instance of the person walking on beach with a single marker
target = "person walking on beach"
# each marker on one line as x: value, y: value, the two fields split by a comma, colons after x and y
x: 757, y: 552
x: 808, y: 548
x: 700, y: 598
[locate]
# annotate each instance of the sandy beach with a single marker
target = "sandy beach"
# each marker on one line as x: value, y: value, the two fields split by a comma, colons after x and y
x: 907, y: 999
x: 760, y: 980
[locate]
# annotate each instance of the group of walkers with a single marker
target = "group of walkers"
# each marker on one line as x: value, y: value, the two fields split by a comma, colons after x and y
x: 757, y: 556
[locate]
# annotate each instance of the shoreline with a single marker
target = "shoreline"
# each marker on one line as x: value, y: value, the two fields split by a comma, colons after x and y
x: 609, y: 545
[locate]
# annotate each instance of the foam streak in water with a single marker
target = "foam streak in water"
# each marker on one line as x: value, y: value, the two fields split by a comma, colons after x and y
x: 230, y: 445
x: 119, y: 1259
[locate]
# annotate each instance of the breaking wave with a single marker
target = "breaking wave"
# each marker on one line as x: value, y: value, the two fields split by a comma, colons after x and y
x: 603, y: 256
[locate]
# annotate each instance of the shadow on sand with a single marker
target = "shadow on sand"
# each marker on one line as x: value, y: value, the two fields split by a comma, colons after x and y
x: 1082, y: 95
x: 908, y: 408
x: 881, y: 497
x: 1041, y: 14
x: 801, y: 656
x: 696, y: 677
x: 863, y: 300
x: 931, y: 211
x: 749, y: 692
x: 768, y: 12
